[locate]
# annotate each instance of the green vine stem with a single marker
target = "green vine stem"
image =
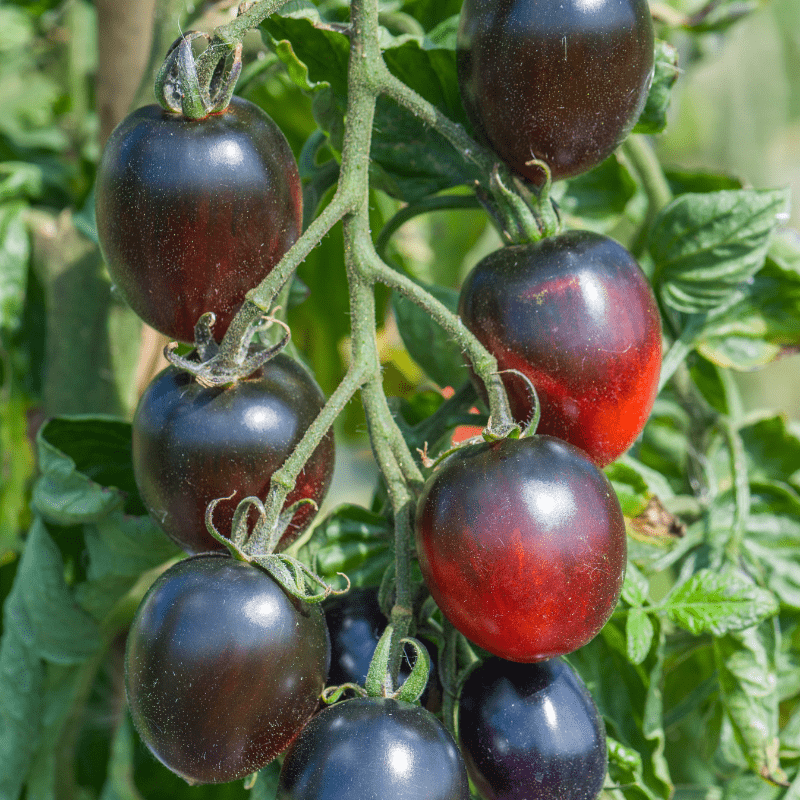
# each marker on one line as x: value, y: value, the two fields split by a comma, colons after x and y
x: 639, y: 152
x: 368, y: 77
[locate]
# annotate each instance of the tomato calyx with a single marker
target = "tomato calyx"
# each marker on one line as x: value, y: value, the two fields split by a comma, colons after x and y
x: 257, y: 546
x: 181, y: 89
x: 232, y: 361
x: 521, y: 211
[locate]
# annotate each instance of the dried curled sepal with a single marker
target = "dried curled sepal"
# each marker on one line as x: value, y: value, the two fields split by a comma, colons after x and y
x: 220, y: 369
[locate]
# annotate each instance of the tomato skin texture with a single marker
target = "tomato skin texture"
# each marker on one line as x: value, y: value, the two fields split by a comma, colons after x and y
x: 222, y: 668
x: 563, y: 81
x: 193, y: 444
x: 576, y: 315
x: 522, y: 544
x: 373, y: 747
x: 192, y: 214
x: 531, y: 732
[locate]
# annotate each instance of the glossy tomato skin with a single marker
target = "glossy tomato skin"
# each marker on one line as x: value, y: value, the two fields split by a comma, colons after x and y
x: 193, y: 444
x: 222, y: 668
x: 356, y: 623
x: 576, y: 314
x: 531, y: 732
x: 374, y: 747
x: 522, y: 545
x: 563, y: 81
x: 191, y: 214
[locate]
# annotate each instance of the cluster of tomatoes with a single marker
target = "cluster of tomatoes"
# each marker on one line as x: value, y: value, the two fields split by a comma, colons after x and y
x: 521, y: 541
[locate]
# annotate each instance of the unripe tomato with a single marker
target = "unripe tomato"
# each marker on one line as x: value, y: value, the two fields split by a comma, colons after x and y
x: 576, y: 315
x: 222, y: 668
x: 563, y: 81
x: 193, y: 444
x: 522, y: 544
x: 192, y: 214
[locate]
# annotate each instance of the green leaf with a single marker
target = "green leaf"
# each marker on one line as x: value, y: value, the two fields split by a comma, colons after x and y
x: 631, y: 705
x: 355, y: 541
x: 598, y: 195
x: 653, y: 118
x: 639, y: 635
x: 683, y: 181
x: 630, y: 487
x: 44, y: 609
x: 14, y: 255
x: 21, y: 702
x: 716, y: 603
x: 119, y: 784
x: 409, y: 159
x: 86, y: 470
x: 266, y: 786
x: 765, y: 323
x: 706, y: 246
x: 17, y: 470
x: 119, y: 549
x: 426, y: 342
x: 748, y: 682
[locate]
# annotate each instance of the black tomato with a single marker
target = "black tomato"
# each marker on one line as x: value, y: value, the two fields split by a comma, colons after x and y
x: 577, y: 316
x: 374, y: 748
x: 522, y: 545
x: 563, y: 81
x: 355, y: 623
x: 531, y: 732
x: 191, y: 214
x: 222, y: 668
x: 193, y: 444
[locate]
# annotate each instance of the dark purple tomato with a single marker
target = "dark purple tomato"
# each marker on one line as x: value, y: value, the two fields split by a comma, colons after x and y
x: 531, y: 732
x: 222, y: 668
x: 191, y: 214
x: 576, y: 314
x: 356, y: 623
x: 373, y: 748
x: 522, y: 545
x: 193, y: 444
x: 563, y: 81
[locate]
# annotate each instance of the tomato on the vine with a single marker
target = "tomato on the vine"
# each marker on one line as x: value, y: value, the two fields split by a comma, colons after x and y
x: 374, y: 747
x: 192, y: 214
x: 194, y: 444
x: 562, y: 81
x: 576, y: 315
x: 222, y: 668
x: 531, y: 732
x: 522, y: 544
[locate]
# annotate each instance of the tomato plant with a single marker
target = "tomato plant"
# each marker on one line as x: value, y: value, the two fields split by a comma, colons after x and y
x: 530, y: 732
x: 522, y: 545
x: 515, y: 542
x: 222, y: 668
x: 575, y: 314
x: 193, y: 213
x: 559, y: 81
x: 194, y: 444
x: 373, y: 747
